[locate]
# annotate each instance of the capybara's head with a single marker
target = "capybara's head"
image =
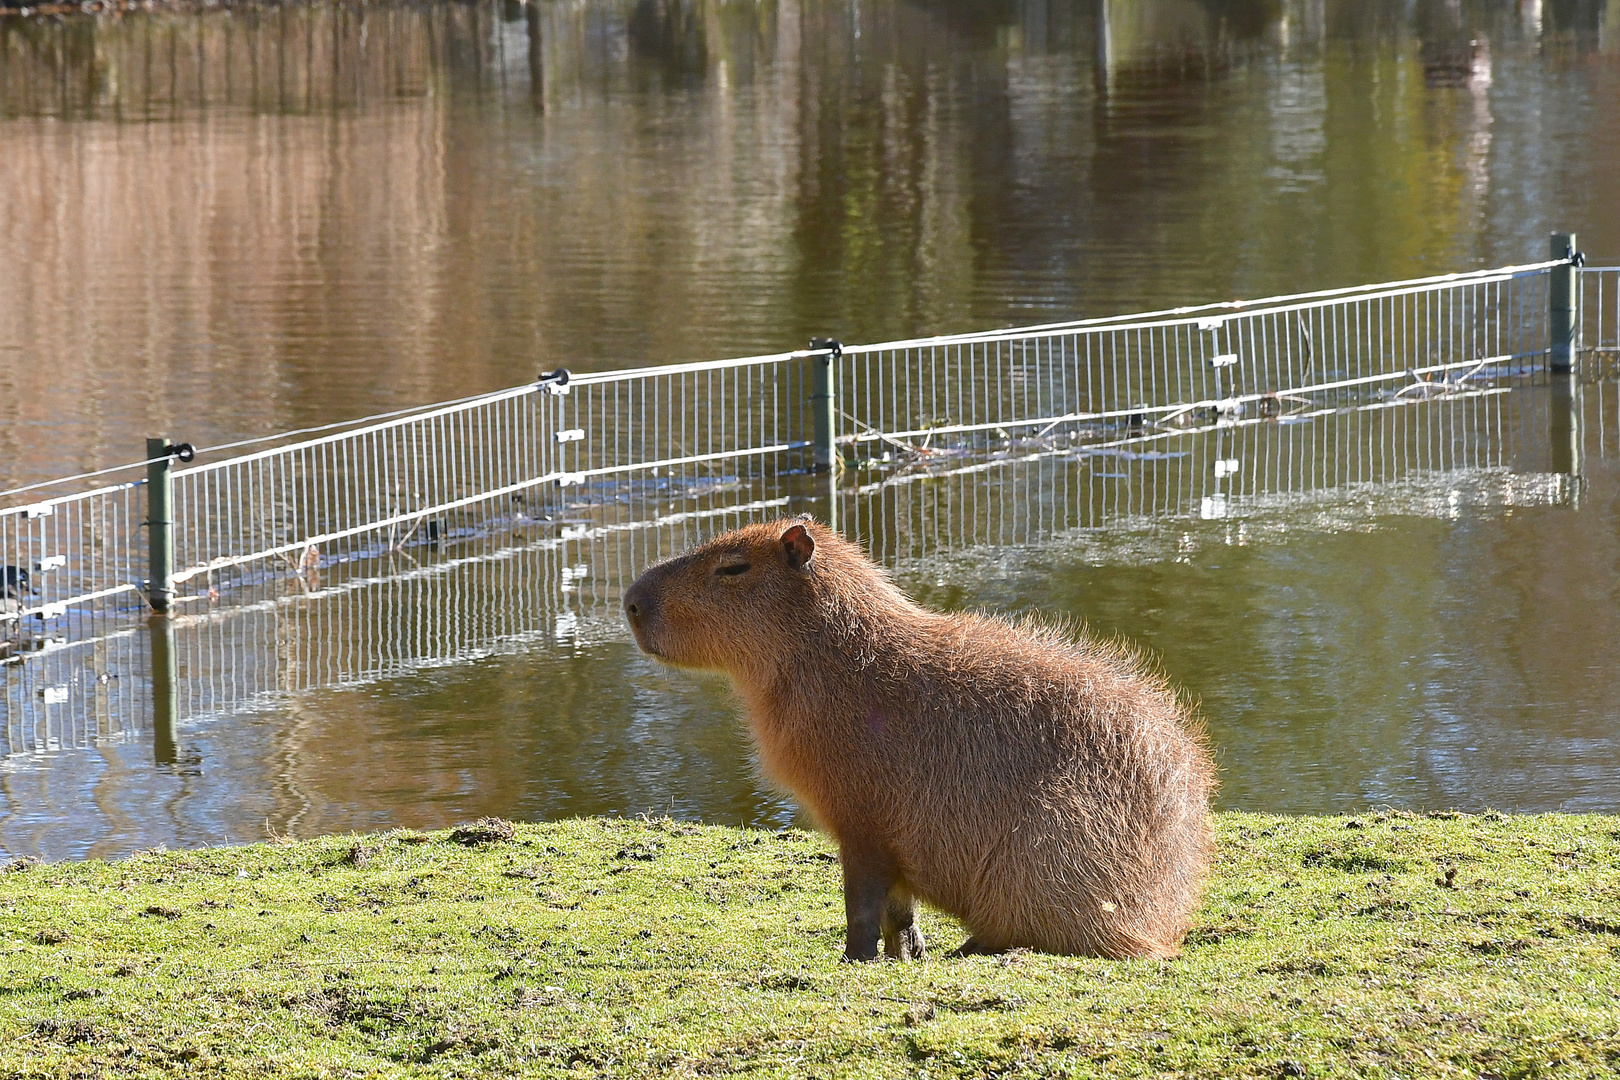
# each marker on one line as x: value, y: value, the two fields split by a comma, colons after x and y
x: 751, y: 598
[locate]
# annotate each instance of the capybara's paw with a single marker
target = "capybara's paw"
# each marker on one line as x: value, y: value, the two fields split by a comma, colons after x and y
x: 972, y: 947
x: 859, y: 946
x: 905, y: 944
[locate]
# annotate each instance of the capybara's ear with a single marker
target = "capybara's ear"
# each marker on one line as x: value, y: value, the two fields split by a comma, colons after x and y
x: 799, y: 546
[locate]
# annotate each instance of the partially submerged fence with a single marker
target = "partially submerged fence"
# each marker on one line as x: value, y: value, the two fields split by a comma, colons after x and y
x: 1269, y: 358
x: 1598, y: 336
x: 546, y: 594
x: 588, y: 451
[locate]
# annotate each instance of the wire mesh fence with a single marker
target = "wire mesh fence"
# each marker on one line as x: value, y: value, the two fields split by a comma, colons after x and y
x: 1600, y: 312
x: 673, y: 420
x: 1197, y: 413
x: 1074, y: 383
x: 538, y: 455
x: 367, y: 491
x: 66, y: 562
x: 598, y: 446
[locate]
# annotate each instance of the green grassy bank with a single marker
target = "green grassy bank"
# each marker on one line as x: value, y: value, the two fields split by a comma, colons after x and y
x: 1384, y: 945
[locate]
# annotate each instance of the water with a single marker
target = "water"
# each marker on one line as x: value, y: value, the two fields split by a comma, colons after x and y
x: 229, y: 224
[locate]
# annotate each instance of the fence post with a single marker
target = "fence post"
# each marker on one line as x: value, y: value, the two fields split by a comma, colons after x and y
x: 159, y: 524
x: 824, y: 404
x: 1561, y: 298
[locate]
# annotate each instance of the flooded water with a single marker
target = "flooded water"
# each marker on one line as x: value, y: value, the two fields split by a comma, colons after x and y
x: 228, y: 224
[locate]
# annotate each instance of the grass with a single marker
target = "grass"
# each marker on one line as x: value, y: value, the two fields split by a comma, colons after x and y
x: 1386, y: 945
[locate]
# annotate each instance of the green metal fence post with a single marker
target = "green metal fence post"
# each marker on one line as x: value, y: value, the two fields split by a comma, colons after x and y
x: 159, y: 525
x: 1561, y: 298
x: 824, y: 404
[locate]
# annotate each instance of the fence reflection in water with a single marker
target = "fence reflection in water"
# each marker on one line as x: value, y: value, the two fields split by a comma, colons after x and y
x: 1376, y: 459
x: 555, y: 585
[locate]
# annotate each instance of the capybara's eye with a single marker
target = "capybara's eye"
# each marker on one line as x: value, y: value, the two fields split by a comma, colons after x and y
x: 732, y: 569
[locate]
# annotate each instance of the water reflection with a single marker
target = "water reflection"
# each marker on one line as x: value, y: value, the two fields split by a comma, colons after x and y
x: 229, y: 220
x: 285, y: 59
x: 493, y: 674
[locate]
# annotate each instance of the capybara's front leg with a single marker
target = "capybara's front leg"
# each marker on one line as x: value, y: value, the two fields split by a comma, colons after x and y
x: 869, y: 874
x: 901, y: 938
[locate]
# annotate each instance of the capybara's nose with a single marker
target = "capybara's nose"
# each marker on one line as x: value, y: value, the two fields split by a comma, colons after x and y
x: 635, y: 603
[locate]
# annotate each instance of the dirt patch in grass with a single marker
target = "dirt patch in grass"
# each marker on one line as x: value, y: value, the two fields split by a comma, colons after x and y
x: 483, y: 831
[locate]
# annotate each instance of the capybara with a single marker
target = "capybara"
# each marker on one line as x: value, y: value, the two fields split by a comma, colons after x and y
x: 1046, y: 791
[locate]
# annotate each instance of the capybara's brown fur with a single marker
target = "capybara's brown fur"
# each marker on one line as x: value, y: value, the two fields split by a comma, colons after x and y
x: 1045, y: 791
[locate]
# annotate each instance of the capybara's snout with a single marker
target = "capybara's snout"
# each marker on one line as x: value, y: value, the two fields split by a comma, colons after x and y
x: 638, y: 606
x: 636, y: 603
x: 643, y: 606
